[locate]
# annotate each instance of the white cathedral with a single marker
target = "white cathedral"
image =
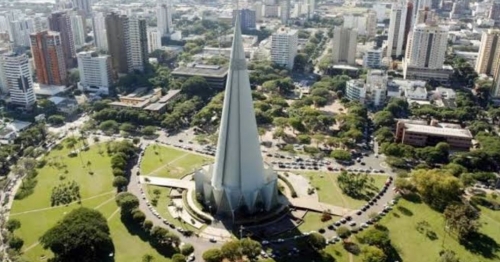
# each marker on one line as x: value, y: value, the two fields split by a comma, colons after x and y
x: 239, y: 182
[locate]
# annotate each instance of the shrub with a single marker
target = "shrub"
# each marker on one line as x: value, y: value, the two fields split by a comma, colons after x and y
x: 178, y: 258
x: 16, y: 242
x: 13, y: 224
x: 325, y: 217
x: 187, y: 249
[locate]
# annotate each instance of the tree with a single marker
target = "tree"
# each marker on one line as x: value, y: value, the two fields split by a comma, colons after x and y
x: 343, y: 232
x: 383, y: 118
x: 213, y: 255
x: 127, y: 202
x: 341, y: 155
x: 317, y: 241
x: 375, y: 237
x: 16, y: 242
x: 231, y: 250
x: 462, y: 219
x: 127, y: 127
x: 197, y: 86
x: 56, y: 120
x: 250, y: 248
x: 402, y: 183
x: 373, y: 254
x: 120, y: 182
x: 148, y: 130
x: 13, y: 224
x: 384, y: 134
x: 436, y: 187
x: 448, y: 256
x: 147, y: 225
x: 299, y: 62
x: 178, y: 258
x: 109, y: 126
x: 187, y: 249
x: 296, y: 124
x: 138, y: 216
x: 148, y: 258
x: 83, y: 233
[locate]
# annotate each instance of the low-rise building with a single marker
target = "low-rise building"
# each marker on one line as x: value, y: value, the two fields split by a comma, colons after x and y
x: 10, y: 131
x: 420, y: 133
x: 143, y: 99
x: 67, y: 106
x: 372, y: 58
x: 215, y: 75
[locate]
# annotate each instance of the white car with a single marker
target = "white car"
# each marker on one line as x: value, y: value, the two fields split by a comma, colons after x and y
x: 265, y: 242
x: 352, y: 224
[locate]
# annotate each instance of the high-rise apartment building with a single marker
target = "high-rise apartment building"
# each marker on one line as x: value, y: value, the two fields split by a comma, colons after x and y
x: 425, y: 16
x: 95, y: 72
x: 164, y: 18
x: 117, y: 31
x: 78, y: 28
x: 48, y: 56
x: 371, y: 23
x: 20, y: 31
x: 99, y: 30
x: 427, y: 46
x: 494, y: 12
x: 489, y: 52
x: 137, y: 44
x: 285, y: 11
x: 488, y: 60
x: 247, y: 19
x: 372, y: 58
x: 17, y: 76
x: 154, y: 39
x: 397, y: 29
x: 127, y: 42
x: 344, y: 45
x: 284, y: 47
x: 83, y: 5
x: 357, y: 22
x: 61, y: 22
x: 258, y: 7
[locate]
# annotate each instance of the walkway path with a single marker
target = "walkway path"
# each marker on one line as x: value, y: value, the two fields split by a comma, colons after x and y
x: 167, y: 164
x: 166, y: 182
x: 48, y: 208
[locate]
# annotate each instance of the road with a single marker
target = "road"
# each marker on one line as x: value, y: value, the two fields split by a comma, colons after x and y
x: 202, y: 244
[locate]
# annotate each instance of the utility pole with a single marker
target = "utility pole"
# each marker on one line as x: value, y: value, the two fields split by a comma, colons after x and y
x: 241, y: 231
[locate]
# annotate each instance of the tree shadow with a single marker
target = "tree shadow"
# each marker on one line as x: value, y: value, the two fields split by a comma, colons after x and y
x: 136, y: 230
x: 412, y: 197
x: 431, y: 235
x: 481, y: 244
x: 405, y: 211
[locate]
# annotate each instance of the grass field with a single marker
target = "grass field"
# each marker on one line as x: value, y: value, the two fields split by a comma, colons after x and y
x: 37, y: 216
x: 410, y: 243
x: 170, y: 162
x: 329, y: 191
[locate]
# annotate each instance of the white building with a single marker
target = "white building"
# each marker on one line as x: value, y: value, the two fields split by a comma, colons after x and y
x: 17, y: 76
x: 284, y: 47
x: 311, y: 8
x: 271, y: 11
x: 164, y: 18
x: 285, y: 11
x: 41, y: 23
x: 99, y: 30
x: 20, y: 31
x: 239, y: 183
x: 83, y: 5
x: 371, y: 23
x: 136, y: 44
x: 372, y: 58
x: 258, y: 8
x: 95, y: 72
x: 396, y: 30
x: 154, y: 39
x: 357, y: 22
x: 344, y: 45
x: 77, y: 26
x: 355, y: 90
x: 381, y: 10
x: 427, y: 46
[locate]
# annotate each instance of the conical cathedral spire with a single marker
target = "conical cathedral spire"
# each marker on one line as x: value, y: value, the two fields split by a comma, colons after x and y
x: 238, y: 179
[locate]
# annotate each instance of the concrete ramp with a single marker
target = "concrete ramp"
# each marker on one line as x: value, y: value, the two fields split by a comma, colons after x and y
x: 166, y: 182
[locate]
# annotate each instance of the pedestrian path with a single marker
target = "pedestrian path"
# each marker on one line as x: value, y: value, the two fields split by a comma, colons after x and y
x: 166, y: 182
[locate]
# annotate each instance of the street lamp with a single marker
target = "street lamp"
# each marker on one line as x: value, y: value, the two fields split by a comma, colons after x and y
x: 241, y: 231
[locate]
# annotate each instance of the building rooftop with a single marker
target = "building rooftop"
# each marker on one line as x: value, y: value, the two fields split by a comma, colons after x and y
x: 170, y: 94
x: 444, y: 129
x: 202, y: 70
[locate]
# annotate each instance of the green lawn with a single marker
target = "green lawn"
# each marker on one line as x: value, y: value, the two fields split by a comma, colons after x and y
x: 170, y: 162
x: 312, y: 222
x: 410, y: 243
x: 329, y: 191
x: 37, y: 216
